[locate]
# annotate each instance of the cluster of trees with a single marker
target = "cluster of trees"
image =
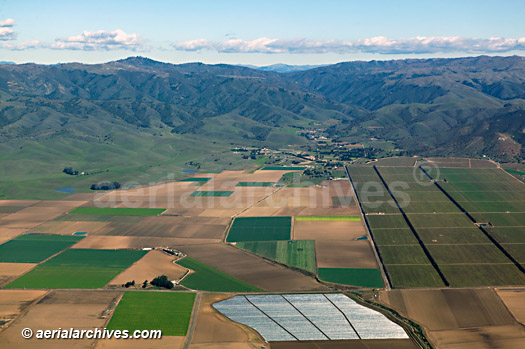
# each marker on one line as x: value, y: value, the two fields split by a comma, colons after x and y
x: 129, y: 284
x: 162, y: 281
x: 70, y: 171
x: 105, y: 186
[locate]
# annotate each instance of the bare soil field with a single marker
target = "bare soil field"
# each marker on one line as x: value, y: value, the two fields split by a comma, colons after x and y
x: 214, y: 330
x: 7, y: 234
x: 459, y: 318
x: 328, y: 230
x: 69, y: 203
x: 68, y: 227
x: 123, y: 242
x: 60, y: 309
x: 14, y: 302
x: 164, y: 342
x: 10, y: 271
x: 251, y: 269
x: 446, y: 309
x: 153, y: 264
x: 18, y: 224
x: 169, y: 226
x: 19, y: 203
x: 490, y: 337
x: 34, y: 213
x: 514, y: 299
x: 343, y: 344
x: 345, y: 254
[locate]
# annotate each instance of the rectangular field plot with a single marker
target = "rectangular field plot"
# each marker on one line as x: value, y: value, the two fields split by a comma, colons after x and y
x: 516, y: 250
x: 207, y: 278
x: 394, y: 237
x: 352, y: 276
x: 508, y: 235
x: 407, y: 276
x: 297, y: 253
x: 308, y: 317
x: 329, y: 218
x: 430, y: 206
x: 283, y: 168
x: 501, y: 219
x: 434, y: 236
x: 388, y: 206
x: 118, y: 211
x: 255, y: 184
x: 209, y: 193
x: 33, y: 248
x: 462, y: 275
x: 493, y: 206
x: 387, y: 221
x: 195, y: 179
x: 260, y: 229
x: 169, y: 312
x: 440, y: 220
x: 403, y: 254
x: 78, y: 268
x: 467, y: 253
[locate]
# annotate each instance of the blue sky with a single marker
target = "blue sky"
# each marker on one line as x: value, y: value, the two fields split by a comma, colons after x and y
x: 257, y: 32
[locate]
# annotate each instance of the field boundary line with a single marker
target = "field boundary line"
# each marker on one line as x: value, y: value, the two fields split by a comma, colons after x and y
x: 306, y: 317
x: 507, y: 174
x: 195, y: 313
x: 414, y: 231
x: 271, y: 318
x: 469, y: 216
x: 375, y: 247
x: 347, y: 319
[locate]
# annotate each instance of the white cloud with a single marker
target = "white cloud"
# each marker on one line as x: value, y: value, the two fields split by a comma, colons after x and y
x: 101, y: 40
x: 6, y: 33
x: 20, y: 46
x: 7, y: 23
x: 380, y: 44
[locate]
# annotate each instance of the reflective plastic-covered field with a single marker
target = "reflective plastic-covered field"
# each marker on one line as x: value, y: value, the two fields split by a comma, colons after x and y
x: 309, y: 317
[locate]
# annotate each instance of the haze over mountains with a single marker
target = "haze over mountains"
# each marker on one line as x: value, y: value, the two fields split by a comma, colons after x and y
x: 461, y: 106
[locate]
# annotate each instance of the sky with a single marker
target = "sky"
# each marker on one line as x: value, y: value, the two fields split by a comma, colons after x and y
x: 258, y: 32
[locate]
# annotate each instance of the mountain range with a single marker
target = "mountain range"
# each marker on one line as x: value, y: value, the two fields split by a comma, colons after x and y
x: 459, y: 106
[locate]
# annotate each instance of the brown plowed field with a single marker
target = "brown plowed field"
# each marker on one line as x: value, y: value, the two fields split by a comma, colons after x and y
x: 60, y: 309
x: 153, y: 264
x: 10, y: 271
x: 252, y: 269
x: 345, y: 254
x: 123, y: 242
x: 328, y: 230
x: 214, y: 330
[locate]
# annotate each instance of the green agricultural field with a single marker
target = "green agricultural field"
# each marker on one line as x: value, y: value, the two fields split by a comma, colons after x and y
x: 502, y: 219
x: 471, y: 275
x: 297, y: 253
x: 169, y: 312
x: 508, y: 234
x: 430, y: 207
x: 260, y: 229
x: 394, y: 237
x: 468, y: 253
x: 449, y: 220
x: 99, y: 218
x: 90, y: 258
x: 435, y: 236
x: 403, y: 254
x: 63, y: 277
x: 209, y: 193
x: 118, y: 211
x: 195, y: 179
x: 207, y: 278
x: 351, y: 276
x: 255, y: 184
x: 407, y: 276
x: 387, y: 221
x: 78, y: 268
x: 329, y: 218
x: 283, y: 168
x: 343, y: 200
x: 516, y: 250
x: 34, y: 248
x: 388, y: 206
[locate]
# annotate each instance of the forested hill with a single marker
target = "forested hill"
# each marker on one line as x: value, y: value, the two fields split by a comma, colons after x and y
x: 462, y: 106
